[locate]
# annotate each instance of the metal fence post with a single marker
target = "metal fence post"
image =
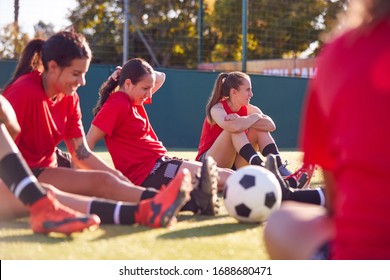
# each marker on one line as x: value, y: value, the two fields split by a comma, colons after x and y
x: 125, y: 31
x: 244, y: 33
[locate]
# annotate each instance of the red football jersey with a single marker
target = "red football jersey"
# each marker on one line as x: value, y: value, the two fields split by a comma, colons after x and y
x: 346, y: 130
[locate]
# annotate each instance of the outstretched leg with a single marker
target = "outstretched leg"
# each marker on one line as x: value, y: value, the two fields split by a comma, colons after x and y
x: 312, y: 196
x: 161, y: 210
x: 46, y: 213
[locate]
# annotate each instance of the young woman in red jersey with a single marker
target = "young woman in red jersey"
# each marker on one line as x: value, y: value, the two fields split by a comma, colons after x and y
x: 234, y: 130
x: 121, y: 119
x: 18, y: 184
x: 47, y: 108
x: 350, y: 94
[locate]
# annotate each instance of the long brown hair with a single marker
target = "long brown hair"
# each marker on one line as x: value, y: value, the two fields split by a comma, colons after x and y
x: 62, y: 47
x: 221, y: 90
x: 134, y: 69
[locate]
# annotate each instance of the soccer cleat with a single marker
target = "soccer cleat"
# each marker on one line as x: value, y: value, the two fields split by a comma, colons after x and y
x: 49, y: 215
x: 161, y: 210
x: 283, y: 170
x: 296, y: 180
x: 271, y: 165
x: 303, y: 175
x: 205, y: 194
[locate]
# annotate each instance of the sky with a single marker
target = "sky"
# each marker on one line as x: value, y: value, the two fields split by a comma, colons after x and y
x: 31, y: 11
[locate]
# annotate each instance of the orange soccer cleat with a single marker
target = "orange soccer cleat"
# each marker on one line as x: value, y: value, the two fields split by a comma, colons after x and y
x: 49, y: 215
x: 161, y: 210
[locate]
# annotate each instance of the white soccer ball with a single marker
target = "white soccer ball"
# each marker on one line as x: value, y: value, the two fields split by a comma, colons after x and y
x: 251, y: 194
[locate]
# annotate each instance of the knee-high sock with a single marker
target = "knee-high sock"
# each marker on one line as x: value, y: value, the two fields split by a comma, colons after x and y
x: 313, y: 196
x: 16, y: 174
x: 110, y: 212
x: 250, y: 155
x: 272, y: 149
x: 148, y: 193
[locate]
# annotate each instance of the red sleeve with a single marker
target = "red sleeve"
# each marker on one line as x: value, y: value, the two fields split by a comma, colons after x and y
x: 21, y: 95
x: 314, y: 136
x: 75, y: 127
x: 111, y: 114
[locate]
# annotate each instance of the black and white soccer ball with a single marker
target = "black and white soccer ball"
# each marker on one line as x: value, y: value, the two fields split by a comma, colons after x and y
x: 251, y: 194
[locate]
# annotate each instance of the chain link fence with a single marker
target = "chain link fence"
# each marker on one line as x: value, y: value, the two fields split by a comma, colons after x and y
x: 272, y: 37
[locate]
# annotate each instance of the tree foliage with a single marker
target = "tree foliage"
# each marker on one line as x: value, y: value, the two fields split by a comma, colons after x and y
x: 101, y: 22
x: 12, y: 41
x: 276, y: 28
x: 43, y: 30
x: 165, y: 32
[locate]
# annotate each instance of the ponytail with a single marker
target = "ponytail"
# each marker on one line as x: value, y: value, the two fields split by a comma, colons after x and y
x: 224, y: 83
x: 105, y: 90
x: 216, y: 95
x: 134, y: 69
x: 30, y: 60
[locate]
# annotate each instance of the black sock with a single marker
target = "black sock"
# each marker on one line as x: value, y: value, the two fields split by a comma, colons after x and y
x: 272, y: 149
x: 16, y: 174
x: 114, y: 212
x: 190, y: 205
x: 148, y: 193
x: 250, y: 155
x: 292, y: 182
x: 313, y: 196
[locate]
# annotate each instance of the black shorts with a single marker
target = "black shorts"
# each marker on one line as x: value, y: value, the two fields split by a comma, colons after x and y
x: 63, y: 160
x: 202, y: 156
x: 163, y: 172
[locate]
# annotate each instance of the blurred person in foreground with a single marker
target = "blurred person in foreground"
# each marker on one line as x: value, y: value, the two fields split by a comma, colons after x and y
x: 349, y: 95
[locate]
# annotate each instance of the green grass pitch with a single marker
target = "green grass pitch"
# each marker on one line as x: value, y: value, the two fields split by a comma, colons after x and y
x: 192, y: 238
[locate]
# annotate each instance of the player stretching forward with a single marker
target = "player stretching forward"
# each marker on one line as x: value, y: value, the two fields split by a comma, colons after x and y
x: 46, y: 213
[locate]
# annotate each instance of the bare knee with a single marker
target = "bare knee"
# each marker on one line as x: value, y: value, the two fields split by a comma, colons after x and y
x: 105, y: 185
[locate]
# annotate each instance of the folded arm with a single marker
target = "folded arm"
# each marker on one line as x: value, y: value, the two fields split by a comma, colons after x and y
x: 235, y: 123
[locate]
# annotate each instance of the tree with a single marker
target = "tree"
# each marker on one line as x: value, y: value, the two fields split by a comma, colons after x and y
x: 16, y: 12
x: 12, y: 39
x: 101, y: 22
x: 169, y: 27
x: 43, y: 30
x: 276, y: 28
x: 12, y: 42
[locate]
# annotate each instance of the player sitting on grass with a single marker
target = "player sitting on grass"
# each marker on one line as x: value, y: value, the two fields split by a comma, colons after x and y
x: 234, y: 130
x: 121, y: 119
x: 44, y: 89
x: 47, y: 214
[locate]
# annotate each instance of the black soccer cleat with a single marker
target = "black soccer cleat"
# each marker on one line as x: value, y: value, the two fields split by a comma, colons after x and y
x: 272, y: 166
x: 205, y: 193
